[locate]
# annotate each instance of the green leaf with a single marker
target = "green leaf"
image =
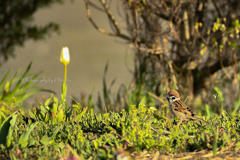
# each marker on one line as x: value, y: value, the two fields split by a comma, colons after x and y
x: 31, y: 114
x: 60, y: 115
x: 4, y: 78
x: 219, y: 94
x: 226, y: 137
x: 56, y: 130
x: 20, y: 80
x: 2, y: 118
x: 46, y: 119
x: 153, y: 108
x: 47, y: 102
x: 6, y: 131
x: 55, y: 108
x: 7, y: 87
x: 143, y: 100
x: 55, y: 100
x: 95, y: 142
x: 208, y: 110
x: 45, y: 140
x: 82, y: 113
x: 69, y: 113
x: 20, y: 92
x: 12, y: 156
x: 61, y: 145
x: 25, y: 136
x: 105, y: 90
x: 9, y: 136
x: 13, y: 79
x: 78, y: 144
x: 215, y: 139
x: 236, y: 105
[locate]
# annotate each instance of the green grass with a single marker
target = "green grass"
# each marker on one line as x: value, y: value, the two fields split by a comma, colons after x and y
x: 54, y: 130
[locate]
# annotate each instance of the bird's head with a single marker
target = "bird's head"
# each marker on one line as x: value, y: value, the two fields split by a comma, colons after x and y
x: 172, y: 96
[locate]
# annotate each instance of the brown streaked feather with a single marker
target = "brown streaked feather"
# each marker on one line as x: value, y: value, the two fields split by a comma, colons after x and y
x: 182, y: 107
x: 178, y: 108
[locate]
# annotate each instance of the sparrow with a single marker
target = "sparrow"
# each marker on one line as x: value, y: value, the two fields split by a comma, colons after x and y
x: 178, y: 108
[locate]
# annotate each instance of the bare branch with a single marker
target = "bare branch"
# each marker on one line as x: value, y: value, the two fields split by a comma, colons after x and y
x: 217, y: 9
x: 89, y: 17
x: 93, y: 23
x: 95, y: 6
x: 110, y: 16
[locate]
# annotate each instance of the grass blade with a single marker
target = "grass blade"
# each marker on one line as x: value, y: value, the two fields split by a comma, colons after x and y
x: 215, y: 139
x: 236, y: 105
x: 2, y: 118
x: 82, y: 113
x: 20, y: 80
x: 4, y: 78
x: 24, y: 137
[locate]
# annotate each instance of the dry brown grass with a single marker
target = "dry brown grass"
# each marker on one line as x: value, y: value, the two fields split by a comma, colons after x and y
x: 202, y: 155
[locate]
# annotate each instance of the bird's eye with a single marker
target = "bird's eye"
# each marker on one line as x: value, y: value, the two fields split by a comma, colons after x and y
x: 173, y: 97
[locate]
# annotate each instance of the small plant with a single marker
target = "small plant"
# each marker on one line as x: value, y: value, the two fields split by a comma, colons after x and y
x: 99, y: 135
x: 65, y: 59
x: 17, y: 89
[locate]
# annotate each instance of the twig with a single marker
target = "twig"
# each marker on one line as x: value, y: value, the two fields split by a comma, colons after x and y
x: 113, y: 21
x: 110, y: 16
x: 163, y: 130
x: 73, y: 152
x: 95, y: 6
x: 118, y: 34
x: 93, y: 23
x: 185, y: 99
x: 114, y: 131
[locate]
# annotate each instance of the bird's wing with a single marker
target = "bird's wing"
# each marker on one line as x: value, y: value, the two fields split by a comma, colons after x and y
x: 182, y: 107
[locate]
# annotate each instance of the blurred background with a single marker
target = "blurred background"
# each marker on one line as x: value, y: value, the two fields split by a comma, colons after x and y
x: 89, y: 52
x: 150, y: 46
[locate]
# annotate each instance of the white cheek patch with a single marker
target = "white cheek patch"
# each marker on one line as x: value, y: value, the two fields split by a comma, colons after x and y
x: 176, y: 99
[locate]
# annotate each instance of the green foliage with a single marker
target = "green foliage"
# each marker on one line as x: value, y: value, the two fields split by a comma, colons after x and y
x: 24, y: 137
x: 51, y: 111
x: 236, y: 105
x: 219, y: 97
x: 6, y: 130
x: 125, y: 97
x: 209, y: 111
x: 18, y: 88
x: 77, y: 132
x: 2, y: 117
x: 54, y: 130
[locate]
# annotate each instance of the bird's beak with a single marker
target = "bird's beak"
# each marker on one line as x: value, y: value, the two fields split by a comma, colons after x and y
x: 166, y: 95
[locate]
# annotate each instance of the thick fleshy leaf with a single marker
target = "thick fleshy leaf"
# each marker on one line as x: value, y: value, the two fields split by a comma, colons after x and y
x: 6, y: 129
x: 25, y: 136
